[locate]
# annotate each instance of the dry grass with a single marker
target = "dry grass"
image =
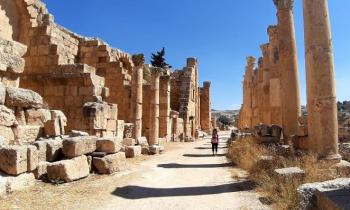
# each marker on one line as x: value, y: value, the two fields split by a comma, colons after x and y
x: 283, y: 195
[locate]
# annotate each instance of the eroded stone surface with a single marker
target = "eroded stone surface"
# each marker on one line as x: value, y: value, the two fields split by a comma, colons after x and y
x: 110, y: 163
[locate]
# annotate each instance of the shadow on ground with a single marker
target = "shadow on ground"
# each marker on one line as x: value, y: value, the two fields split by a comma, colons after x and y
x: 137, y: 192
x: 210, y: 148
x: 176, y: 165
x: 203, y: 155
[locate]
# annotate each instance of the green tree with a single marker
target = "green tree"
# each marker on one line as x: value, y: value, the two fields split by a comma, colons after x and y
x: 225, y: 120
x: 158, y: 59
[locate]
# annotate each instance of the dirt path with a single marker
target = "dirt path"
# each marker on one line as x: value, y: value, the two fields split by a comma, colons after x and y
x: 185, y: 177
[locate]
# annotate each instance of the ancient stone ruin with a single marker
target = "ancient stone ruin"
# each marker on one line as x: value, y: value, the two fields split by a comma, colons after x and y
x: 72, y: 105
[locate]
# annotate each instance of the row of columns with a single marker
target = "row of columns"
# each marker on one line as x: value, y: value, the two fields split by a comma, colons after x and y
x: 274, y: 86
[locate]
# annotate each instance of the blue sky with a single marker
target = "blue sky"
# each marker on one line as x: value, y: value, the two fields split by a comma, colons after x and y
x: 219, y: 33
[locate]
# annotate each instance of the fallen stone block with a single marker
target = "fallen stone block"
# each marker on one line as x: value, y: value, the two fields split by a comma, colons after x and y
x: 41, y: 170
x: 276, y: 131
x: 132, y: 151
x: 20, y: 182
x: 13, y: 159
x: 42, y: 148
x: 287, y: 174
x: 77, y: 146
x: 108, y: 145
x: 28, y: 133
x: 337, y: 199
x: 32, y: 158
x: 68, y: 170
x: 19, y: 97
x: 7, y: 134
x: 110, y: 163
x: 7, y: 117
x: 142, y: 141
x: 265, y: 162
x: 75, y: 133
x: 309, y: 199
x: 129, y: 142
x: 37, y: 116
x: 154, y: 149
x: 54, y: 150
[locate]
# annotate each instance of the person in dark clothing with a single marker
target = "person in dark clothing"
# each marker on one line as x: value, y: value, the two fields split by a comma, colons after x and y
x: 215, y: 142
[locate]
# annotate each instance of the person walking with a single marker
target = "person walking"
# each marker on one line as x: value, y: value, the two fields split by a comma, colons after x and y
x: 215, y: 142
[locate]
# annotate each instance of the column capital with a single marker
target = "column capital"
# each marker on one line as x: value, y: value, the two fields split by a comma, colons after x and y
x: 251, y: 62
x: 283, y: 4
x: 138, y: 59
x: 157, y: 72
x: 272, y: 31
x: 265, y: 48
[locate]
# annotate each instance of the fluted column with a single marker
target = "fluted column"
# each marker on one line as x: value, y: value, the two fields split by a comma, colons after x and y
x: 321, y: 93
x: 266, y: 114
x: 291, y: 109
x: 247, y: 111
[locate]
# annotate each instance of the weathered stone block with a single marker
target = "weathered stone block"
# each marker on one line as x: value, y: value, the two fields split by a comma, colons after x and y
x: 113, y: 112
x: 154, y: 149
x: 276, y: 131
x: 77, y: 146
x: 292, y: 173
x: 75, y: 133
x: 128, y: 130
x: 41, y: 170
x: 32, y: 158
x: 68, y: 170
x: 306, y: 192
x: 7, y: 117
x: 2, y: 94
x: 120, y: 130
x: 7, y: 134
x: 54, y: 150
x: 41, y: 147
x: 18, y: 97
x: 111, y: 125
x: 142, y: 141
x: 13, y: 159
x: 132, y: 151
x: 129, y: 142
x: 37, y: 116
x: 28, y: 133
x: 110, y: 163
x: 20, y: 182
x: 108, y: 145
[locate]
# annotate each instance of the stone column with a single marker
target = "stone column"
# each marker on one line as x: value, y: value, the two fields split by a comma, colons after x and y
x: 291, y: 109
x: 275, y: 77
x: 321, y: 94
x: 164, y: 106
x: 137, y: 86
x: 205, y: 107
x: 266, y: 114
x: 154, y: 128
x: 247, y: 111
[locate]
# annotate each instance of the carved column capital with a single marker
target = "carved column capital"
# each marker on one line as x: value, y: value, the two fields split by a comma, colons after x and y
x: 272, y: 31
x: 251, y: 62
x: 283, y: 4
x: 265, y: 48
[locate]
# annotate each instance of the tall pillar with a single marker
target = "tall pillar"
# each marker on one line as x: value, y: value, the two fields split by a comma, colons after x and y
x: 275, y: 78
x: 321, y: 94
x: 154, y: 128
x: 137, y: 91
x: 260, y: 89
x: 164, y: 106
x: 291, y: 109
x: 266, y: 114
x: 205, y: 107
x: 246, y: 113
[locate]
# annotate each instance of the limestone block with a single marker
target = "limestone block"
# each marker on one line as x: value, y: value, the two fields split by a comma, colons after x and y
x: 32, y: 158
x: 265, y: 130
x: 145, y: 150
x: 20, y: 116
x: 41, y: 170
x: 27, y: 133
x: 7, y: 134
x: 128, y: 130
x: 53, y: 128
x: 111, y: 125
x: 7, y: 117
x: 13, y: 159
x: 54, y: 150
x: 306, y: 192
x: 20, y: 182
x: 42, y: 148
x: 292, y: 173
x: 97, y: 114
x: 154, y: 149
x: 3, y: 185
x: 113, y: 112
x: 75, y: 133
x: 37, y: 116
x: 18, y: 97
x: 120, y: 130
x: 110, y: 163
x: 142, y: 141
x: 68, y: 170
x: 77, y: 146
x: 2, y: 94
x: 129, y: 142
x: 332, y: 199
x: 132, y: 151
x: 108, y: 145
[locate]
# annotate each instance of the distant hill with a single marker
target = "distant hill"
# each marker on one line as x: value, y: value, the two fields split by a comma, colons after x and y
x: 231, y: 114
